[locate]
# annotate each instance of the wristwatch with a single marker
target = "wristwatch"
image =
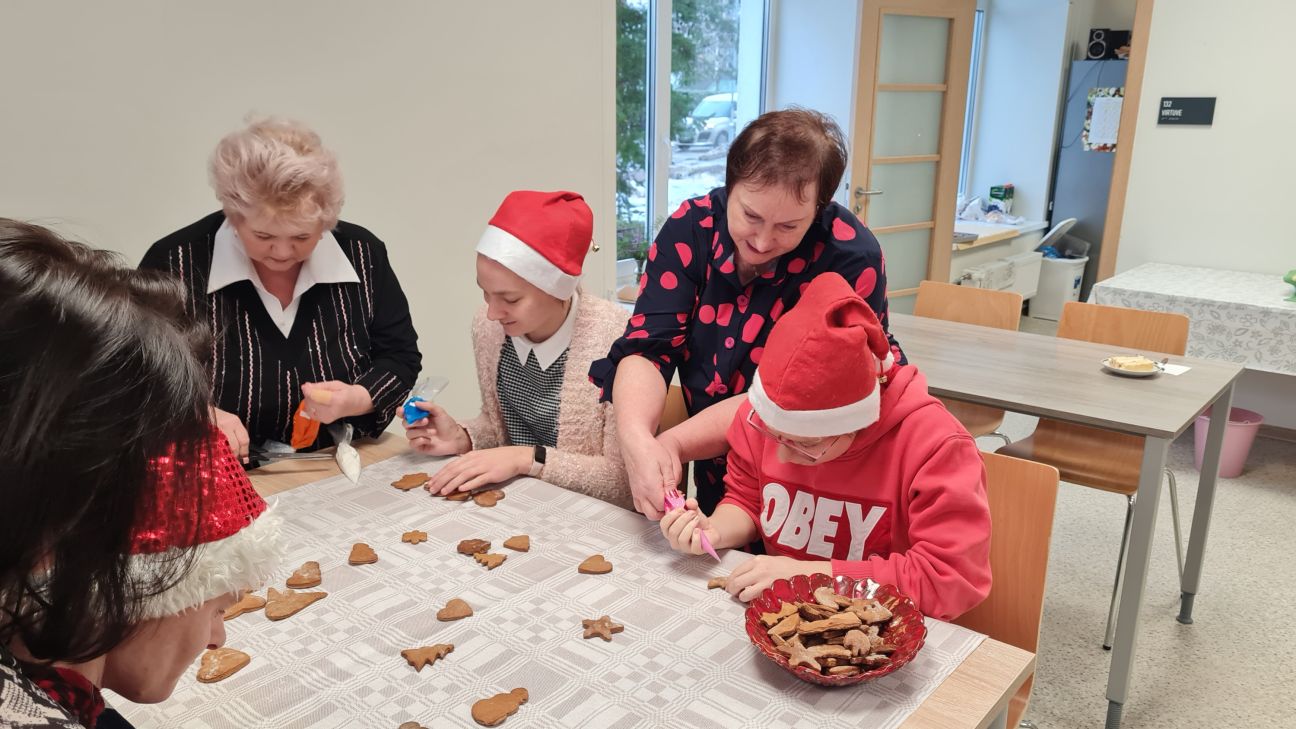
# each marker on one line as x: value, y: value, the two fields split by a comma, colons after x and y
x: 537, y: 462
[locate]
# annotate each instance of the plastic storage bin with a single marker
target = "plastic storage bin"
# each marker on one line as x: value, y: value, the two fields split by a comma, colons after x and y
x: 1059, y: 282
x: 1239, y: 434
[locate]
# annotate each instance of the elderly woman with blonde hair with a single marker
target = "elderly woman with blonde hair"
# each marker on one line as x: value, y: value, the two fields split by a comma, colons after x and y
x: 306, y: 307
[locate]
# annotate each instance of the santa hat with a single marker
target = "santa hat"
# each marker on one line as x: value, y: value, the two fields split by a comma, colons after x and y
x: 823, y: 365
x: 234, y: 539
x: 542, y: 237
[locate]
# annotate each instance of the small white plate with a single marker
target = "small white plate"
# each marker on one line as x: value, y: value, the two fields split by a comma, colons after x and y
x: 1129, y: 373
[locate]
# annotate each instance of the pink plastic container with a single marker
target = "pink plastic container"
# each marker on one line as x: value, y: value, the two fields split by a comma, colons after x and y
x: 1238, y: 437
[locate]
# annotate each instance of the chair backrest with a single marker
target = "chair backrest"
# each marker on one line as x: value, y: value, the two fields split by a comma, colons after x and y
x: 968, y: 305
x: 1022, y: 498
x: 1155, y: 331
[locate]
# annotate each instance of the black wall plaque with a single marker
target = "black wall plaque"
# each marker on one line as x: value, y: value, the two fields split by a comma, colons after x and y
x: 1187, y: 110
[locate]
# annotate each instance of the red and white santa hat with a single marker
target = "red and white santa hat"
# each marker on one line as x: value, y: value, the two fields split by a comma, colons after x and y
x: 232, y: 539
x: 542, y: 237
x: 823, y: 365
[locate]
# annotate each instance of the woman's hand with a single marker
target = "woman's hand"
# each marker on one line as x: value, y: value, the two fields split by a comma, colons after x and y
x: 653, y: 470
x: 438, y: 434
x: 750, y: 578
x: 476, y: 469
x: 235, y: 433
x: 683, y: 528
x: 331, y: 401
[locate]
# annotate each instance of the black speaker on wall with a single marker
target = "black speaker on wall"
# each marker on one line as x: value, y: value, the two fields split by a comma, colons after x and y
x: 1103, y: 43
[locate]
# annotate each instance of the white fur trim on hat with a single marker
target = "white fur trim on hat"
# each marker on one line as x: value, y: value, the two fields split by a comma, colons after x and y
x: 515, y: 255
x: 815, y: 423
x: 244, y: 560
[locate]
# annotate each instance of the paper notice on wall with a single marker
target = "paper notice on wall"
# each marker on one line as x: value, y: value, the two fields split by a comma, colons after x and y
x: 1102, y: 120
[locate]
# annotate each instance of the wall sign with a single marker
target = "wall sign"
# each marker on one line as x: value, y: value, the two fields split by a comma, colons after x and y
x: 1199, y: 110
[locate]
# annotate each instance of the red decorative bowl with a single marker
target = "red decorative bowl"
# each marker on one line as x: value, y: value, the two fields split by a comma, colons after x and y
x: 906, y: 632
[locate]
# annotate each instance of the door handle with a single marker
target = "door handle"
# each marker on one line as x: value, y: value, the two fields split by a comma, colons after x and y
x: 861, y: 192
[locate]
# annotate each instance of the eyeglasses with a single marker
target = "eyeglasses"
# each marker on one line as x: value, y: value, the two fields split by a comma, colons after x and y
x: 811, y: 452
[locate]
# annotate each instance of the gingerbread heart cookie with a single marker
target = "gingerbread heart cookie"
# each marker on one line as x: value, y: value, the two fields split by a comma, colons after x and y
x: 308, y: 575
x: 280, y: 605
x: 427, y: 655
x: 456, y: 609
x: 414, y: 537
x: 595, y: 565
x: 221, y: 663
x: 246, y: 604
x: 411, y: 481
x: 362, y: 553
x: 493, y: 711
x: 520, y: 543
x: 488, y: 498
x: 490, y: 560
x: 473, y: 546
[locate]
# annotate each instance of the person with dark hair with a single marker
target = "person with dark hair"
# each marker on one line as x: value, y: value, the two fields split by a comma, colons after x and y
x: 128, y: 524
x: 721, y: 272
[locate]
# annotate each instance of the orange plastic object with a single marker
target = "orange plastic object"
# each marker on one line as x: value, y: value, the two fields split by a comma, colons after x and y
x: 305, y: 429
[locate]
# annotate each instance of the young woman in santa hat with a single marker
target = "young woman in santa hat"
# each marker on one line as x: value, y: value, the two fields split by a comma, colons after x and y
x: 843, y: 464
x: 533, y: 342
x: 128, y: 525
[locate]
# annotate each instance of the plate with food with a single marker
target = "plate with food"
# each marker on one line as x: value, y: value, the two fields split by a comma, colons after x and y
x: 1133, y: 365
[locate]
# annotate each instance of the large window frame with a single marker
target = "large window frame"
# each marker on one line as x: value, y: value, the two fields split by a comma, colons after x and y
x: 969, y: 117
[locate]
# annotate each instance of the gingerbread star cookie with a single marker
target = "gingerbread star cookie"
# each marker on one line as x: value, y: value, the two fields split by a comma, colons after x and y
x: 308, y: 575
x: 427, y: 655
x: 362, y: 553
x: 414, y: 537
x: 717, y: 582
x: 220, y: 663
x: 493, y: 711
x: 602, y: 627
x: 280, y: 605
x: 595, y: 565
x: 246, y: 604
x: 411, y: 481
x: 520, y: 543
x: 456, y: 609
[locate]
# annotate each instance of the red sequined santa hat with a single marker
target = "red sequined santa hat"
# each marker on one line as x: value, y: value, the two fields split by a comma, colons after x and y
x: 823, y: 365
x: 235, y: 541
x: 542, y: 237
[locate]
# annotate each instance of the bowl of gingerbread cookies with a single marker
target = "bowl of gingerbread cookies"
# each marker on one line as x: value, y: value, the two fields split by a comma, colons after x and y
x: 835, y: 631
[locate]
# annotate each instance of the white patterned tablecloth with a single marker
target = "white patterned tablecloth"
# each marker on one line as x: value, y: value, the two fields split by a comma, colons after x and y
x: 684, y: 659
x: 1235, y: 316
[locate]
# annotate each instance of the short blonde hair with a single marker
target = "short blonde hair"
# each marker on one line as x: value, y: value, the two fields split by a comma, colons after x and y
x: 277, y: 165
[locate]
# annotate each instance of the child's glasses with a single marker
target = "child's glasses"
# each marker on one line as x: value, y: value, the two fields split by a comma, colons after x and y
x: 810, y: 452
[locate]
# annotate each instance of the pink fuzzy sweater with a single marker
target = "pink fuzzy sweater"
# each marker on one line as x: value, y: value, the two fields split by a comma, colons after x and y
x: 587, y: 458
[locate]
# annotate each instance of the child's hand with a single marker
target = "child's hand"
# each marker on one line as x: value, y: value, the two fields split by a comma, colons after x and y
x: 750, y: 578
x: 683, y: 528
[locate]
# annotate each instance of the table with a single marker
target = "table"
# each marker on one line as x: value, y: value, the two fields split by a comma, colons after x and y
x: 1234, y: 316
x: 1062, y: 379
x: 719, y: 681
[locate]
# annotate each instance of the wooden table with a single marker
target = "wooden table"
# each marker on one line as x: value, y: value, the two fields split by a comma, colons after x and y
x: 1062, y: 379
x: 975, y: 695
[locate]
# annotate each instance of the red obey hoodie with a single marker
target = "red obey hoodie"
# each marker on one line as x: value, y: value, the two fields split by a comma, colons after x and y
x: 905, y: 505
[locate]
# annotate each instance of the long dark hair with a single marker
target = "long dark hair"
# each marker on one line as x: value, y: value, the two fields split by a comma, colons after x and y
x: 99, y: 375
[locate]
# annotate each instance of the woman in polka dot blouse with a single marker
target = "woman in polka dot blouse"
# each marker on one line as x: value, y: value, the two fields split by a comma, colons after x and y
x: 722, y: 270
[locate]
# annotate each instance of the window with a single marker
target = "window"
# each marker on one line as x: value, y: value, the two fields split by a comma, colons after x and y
x: 715, y: 81
x: 974, y: 72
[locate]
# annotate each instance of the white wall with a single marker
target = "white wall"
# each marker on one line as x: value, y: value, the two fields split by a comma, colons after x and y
x: 1217, y: 196
x: 1022, y: 57
x: 435, y: 110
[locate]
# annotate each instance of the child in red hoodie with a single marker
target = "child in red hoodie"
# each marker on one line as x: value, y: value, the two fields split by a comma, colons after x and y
x: 843, y: 464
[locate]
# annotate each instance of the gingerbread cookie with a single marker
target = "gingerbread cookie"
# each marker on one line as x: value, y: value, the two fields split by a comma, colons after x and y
x: 427, y: 655
x: 490, y: 560
x: 473, y: 546
x: 493, y: 711
x: 520, y: 543
x: 362, y: 553
x: 595, y: 565
x: 246, y: 604
x: 280, y: 605
x: 456, y: 609
x: 220, y: 663
x: 458, y: 496
x: 835, y: 634
x: 414, y: 537
x: 411, y: 481
x: 488, y: 498
x: 717, y: 582
x: 411, y: 725
x: 308, y: 575
x: 602, y: 627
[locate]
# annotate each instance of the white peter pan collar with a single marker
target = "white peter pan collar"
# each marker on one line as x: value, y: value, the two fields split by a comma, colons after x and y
x: 548, y: 351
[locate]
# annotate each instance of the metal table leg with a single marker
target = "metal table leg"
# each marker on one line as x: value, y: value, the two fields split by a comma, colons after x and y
x: 1136, y: 566
x: 1205, y: 504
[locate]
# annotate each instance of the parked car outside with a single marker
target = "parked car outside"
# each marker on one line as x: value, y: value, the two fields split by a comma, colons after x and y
x: 711, y: 123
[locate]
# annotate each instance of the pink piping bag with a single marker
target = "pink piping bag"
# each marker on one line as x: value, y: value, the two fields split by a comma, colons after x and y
x: 674, y: 501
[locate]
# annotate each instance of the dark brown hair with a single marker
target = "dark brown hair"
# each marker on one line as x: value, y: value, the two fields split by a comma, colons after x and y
x: 99, y: 375
x: 794, y: 147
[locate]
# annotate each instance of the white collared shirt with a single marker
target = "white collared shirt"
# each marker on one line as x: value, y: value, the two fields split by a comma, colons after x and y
x: 548, y: 351
x: 230, y: 264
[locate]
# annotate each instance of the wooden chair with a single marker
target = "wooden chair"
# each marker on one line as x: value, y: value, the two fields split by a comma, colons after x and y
x: 1022, y: 496
x: 967, y: 305
x: 673, y: 412
x: 1102, y: 459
